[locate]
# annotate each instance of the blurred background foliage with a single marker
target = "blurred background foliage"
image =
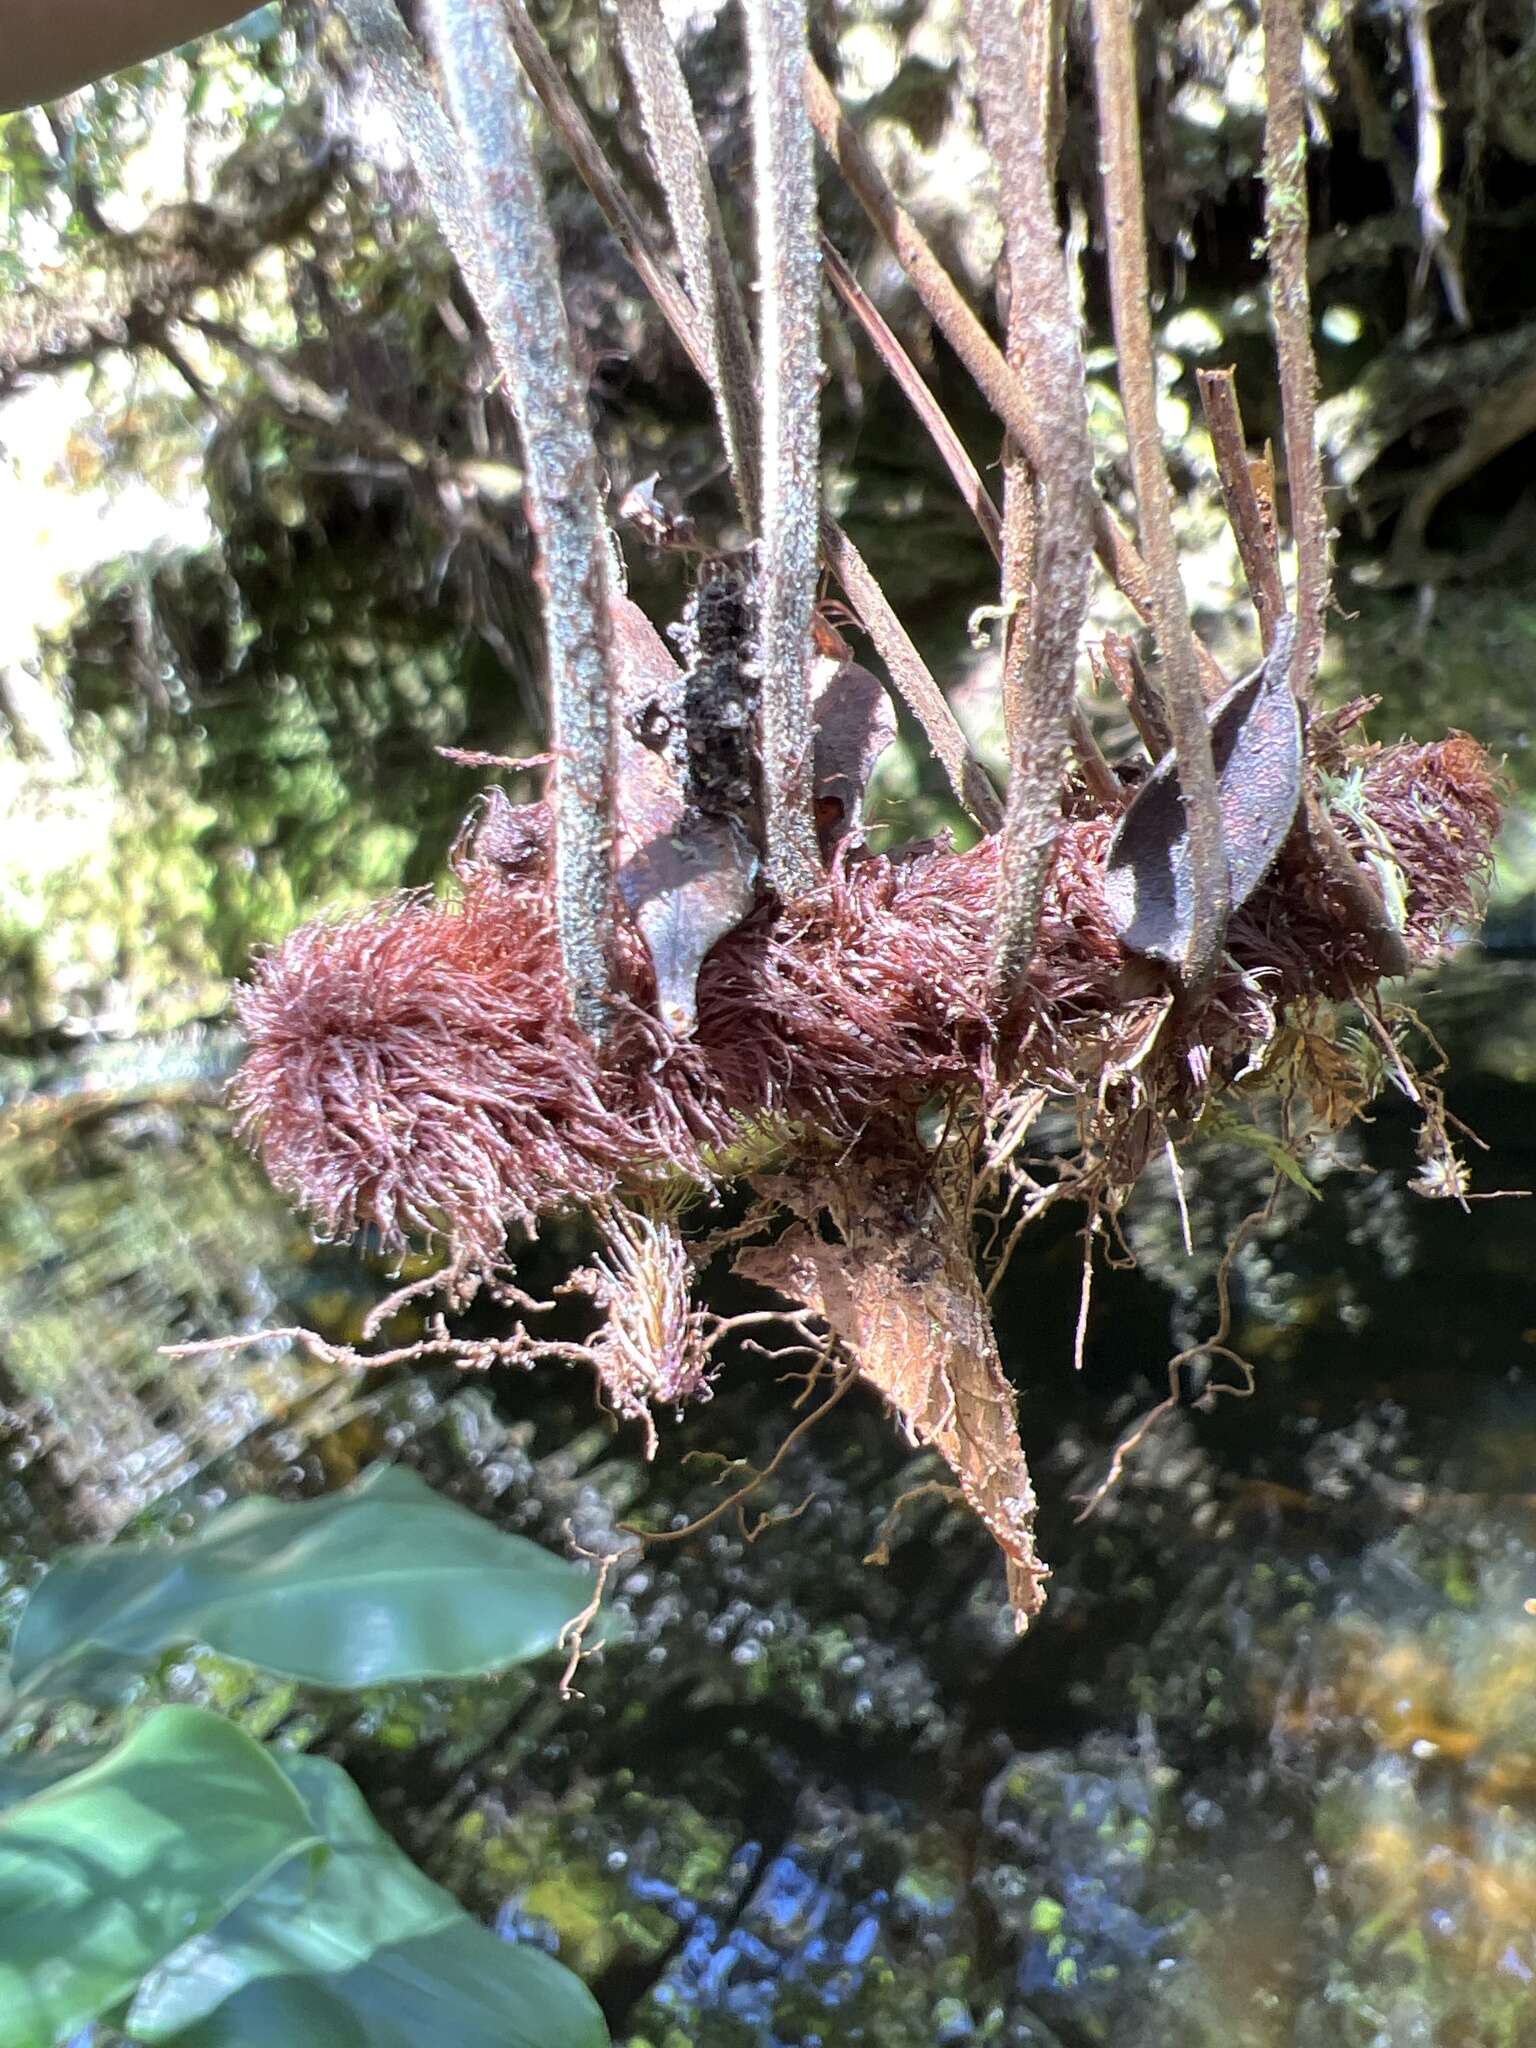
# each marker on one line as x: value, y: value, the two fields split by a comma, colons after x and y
x: 268, y: 549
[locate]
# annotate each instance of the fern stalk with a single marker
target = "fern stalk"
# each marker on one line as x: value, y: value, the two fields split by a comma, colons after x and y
x: 515, y: 276
x: 1043, y: 682
x: 693, y: 211
x: 784, y: 183
x: 1290, y: 304
x: 908, y: 672
x: 1114, y: 67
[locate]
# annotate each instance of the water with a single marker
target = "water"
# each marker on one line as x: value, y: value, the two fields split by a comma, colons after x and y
x: 1265, y: 1773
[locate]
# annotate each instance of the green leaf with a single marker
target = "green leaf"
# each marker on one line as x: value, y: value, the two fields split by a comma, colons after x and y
x: 1222, y: 1124
x: 366, y: 1895
x: 364, y: 1946
x: 382, y: 1583
x: 22, y: 1777
x: 459, y: 1988
x: 107, y: 1872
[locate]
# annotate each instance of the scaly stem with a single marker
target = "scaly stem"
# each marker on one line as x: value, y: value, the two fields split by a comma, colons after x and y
x: 1290, y: 304
x: 1434, y: 228
x: 968, y: 338
x: 784, y: 184
x: 1114, y: 65
x: 966, y: 476
x: 1044, y: 687
x: 693, y: 210
x: 480, y: 177
x: 1021, y: 490
x: 570, y: 123
x: 921, y: 692
x: 909, y: 675
x: 1250, y: 523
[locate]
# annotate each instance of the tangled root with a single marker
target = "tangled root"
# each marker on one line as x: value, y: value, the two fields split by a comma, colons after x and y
x: 418, y: 1071
x: 419, y: 1065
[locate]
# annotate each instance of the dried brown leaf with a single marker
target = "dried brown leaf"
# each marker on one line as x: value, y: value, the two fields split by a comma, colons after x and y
x: 855, y: 723
x: 900, y: 1294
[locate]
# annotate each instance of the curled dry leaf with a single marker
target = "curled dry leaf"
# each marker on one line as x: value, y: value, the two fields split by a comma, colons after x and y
x: 653, y: 750
x: 855, y: 723
x: 1256, y: 742
x: 901, y: 1296
x: 650, y: 510
x: 510, y: 840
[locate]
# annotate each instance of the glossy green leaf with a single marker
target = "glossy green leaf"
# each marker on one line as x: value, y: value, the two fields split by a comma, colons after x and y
x: 382, y: 1583
x: 457, y: 1988
x: 107, y: 1872
x: 365, y: 1949
x: 367, y: 1895
x: 23, y: 1777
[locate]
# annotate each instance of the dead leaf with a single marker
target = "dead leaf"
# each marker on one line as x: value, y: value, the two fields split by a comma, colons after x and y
x: 650, y: 510
x: 653, y: 753
x: 512, y: 839
x: 1256, y: 741
x: 855, y: 723
x: 900, y: 1294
